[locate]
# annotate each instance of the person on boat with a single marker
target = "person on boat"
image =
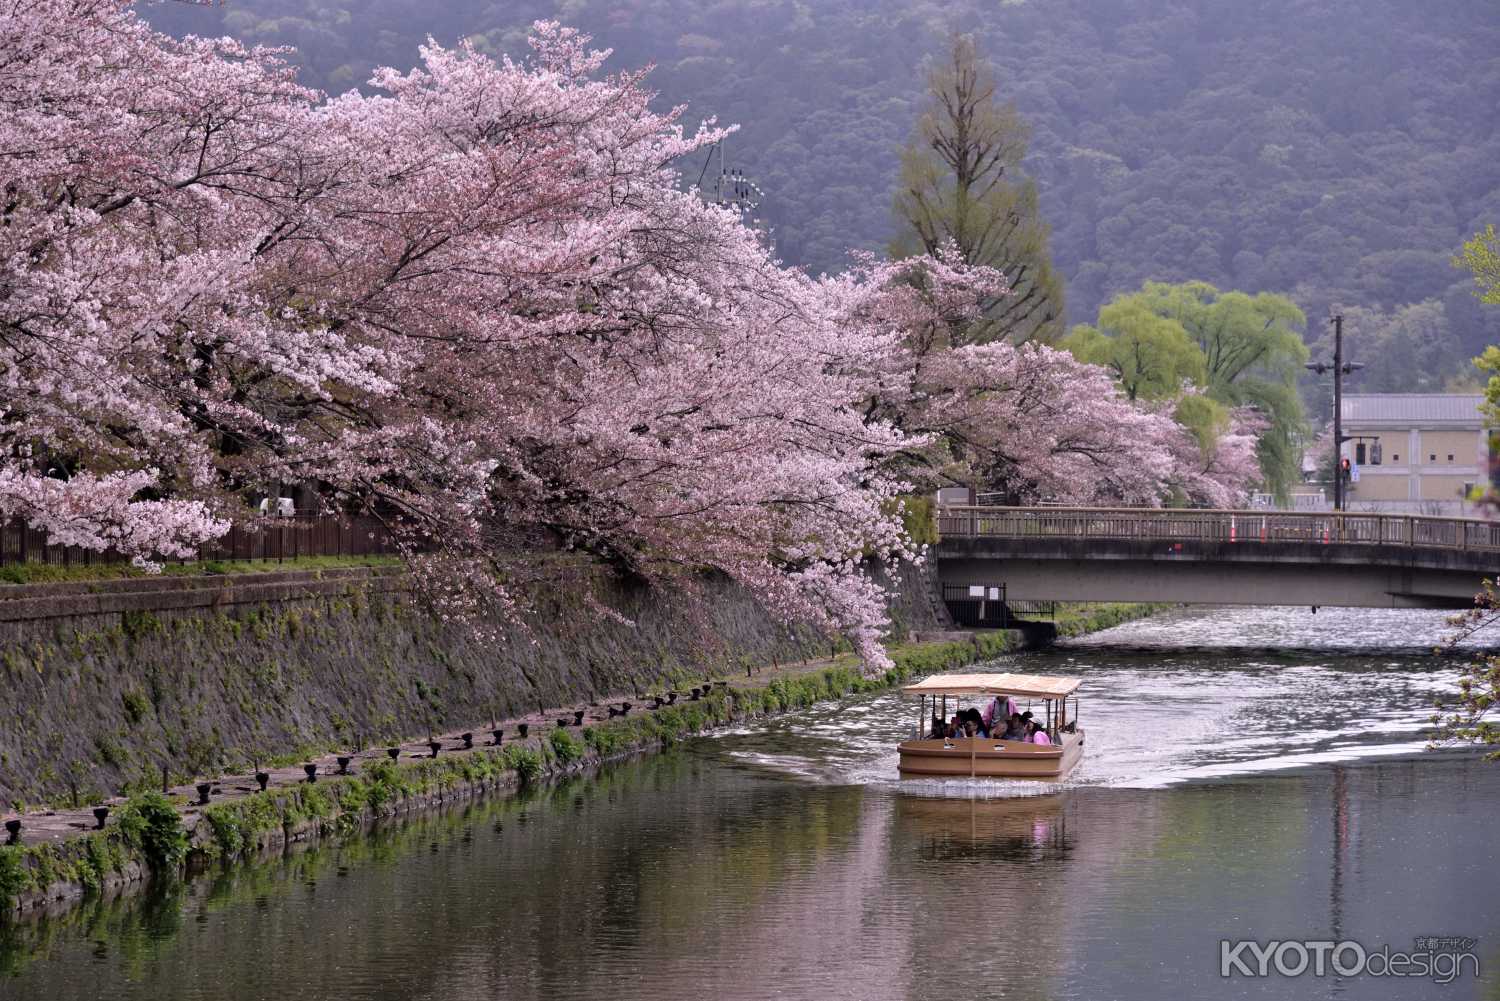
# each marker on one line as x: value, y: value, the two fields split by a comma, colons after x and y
x: 973, y: 716
x: 1036, y: 734
x: 1016, y: 728
x: 1000, y: 708
x: 955, y: 727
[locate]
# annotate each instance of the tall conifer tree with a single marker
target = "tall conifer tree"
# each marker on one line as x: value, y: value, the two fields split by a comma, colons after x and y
x: 961, y: 182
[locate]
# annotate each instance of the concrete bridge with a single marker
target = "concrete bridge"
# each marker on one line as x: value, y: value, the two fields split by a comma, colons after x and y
x: 1217, y: 557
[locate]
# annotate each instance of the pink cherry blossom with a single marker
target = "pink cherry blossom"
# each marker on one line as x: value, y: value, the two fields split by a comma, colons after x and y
x: 478, y: 304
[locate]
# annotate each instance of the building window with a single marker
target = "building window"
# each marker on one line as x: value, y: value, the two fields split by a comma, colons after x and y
x: 1432, y: 457
x: 1395, y: 456
x: 1375, y: 454
x: 1468, y: 490
x: 1359, y: 453
x: 1450, y: 456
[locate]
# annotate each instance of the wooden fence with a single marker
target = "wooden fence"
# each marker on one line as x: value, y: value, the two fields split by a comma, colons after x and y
x: 268, y: 540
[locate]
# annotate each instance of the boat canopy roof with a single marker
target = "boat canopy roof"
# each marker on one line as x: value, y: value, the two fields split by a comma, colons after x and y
x: 1037, y: 686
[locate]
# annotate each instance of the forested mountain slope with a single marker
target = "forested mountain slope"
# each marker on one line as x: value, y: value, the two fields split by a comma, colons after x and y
x: 1335, y: 150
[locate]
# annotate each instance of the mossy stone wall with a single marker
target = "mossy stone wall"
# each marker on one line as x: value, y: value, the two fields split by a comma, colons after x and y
x: 94, y: 704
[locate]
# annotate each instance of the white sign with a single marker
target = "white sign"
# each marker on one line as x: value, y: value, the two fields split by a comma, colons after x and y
x: 994, y: 594
x: 1353, y: 472
x: 976, y: 590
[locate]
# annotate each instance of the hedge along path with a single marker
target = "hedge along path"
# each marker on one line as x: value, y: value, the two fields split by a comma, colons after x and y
x: 62, y: 857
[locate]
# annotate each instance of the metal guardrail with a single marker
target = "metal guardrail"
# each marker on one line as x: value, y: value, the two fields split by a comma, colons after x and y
x: 269, y: 539
x: 1249, y: 527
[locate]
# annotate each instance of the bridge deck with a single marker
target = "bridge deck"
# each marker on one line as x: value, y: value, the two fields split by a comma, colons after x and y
x: 1189, y: 524
x: 1218, y: 557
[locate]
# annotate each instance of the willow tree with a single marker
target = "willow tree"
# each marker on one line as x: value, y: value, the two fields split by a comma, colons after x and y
x: 1253, y: 354
x: 1481, y: 256
x: 961, y: 183
x: 1150, y: 356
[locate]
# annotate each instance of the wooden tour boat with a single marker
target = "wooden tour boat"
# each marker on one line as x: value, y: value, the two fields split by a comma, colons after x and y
x: 928, y: 756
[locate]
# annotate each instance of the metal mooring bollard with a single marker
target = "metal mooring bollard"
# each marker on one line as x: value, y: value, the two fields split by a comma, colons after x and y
x: 393, y: 753
x: 101, y: 814
x: 498, y: 734
x: 312, y: 771
x: 344, y: 760
x: 204, y: 790
x: 523, y: 728
x: 13, y: 828
x: 262, y: 779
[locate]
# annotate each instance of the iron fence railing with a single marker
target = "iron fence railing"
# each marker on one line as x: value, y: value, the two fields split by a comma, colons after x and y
x: 1181, y: 525
x: 974, y: 605
x: 1032, y: 609
x: 267, y: 539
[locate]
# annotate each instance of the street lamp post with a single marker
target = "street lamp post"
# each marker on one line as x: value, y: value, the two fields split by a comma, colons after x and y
x: 1340, y: 369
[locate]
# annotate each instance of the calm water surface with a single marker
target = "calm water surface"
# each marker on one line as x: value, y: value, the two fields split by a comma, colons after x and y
x: 1248, y: 774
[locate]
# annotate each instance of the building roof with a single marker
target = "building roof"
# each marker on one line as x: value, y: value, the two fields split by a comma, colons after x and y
x: 1038, y: 686
x: 1406, y: 410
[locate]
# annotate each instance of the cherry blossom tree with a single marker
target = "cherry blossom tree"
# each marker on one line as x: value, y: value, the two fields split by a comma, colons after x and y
x: 1216, y: 462
x: 1028, y: 421
x: 476, y: 303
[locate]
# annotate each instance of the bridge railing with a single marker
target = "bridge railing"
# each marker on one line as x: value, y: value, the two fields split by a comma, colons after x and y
x: 1189, y: 524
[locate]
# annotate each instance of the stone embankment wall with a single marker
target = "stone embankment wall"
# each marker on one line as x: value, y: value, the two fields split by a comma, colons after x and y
x: 108, y: 682
x: 153, y: 834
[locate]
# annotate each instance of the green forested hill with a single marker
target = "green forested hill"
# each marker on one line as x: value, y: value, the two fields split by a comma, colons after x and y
x: 1335, y: 150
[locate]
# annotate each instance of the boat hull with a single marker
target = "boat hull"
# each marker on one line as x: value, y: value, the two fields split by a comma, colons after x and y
x: 976, y: 757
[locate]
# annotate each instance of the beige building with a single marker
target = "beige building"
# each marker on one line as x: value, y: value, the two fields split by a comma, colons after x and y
x: 1416, y: 453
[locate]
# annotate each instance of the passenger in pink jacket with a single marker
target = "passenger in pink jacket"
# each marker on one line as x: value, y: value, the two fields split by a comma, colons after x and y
x: 1001, y: 708
x: 1036, y: 734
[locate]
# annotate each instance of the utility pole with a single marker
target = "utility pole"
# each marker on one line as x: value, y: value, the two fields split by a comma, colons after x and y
x: 1340, y: 368
x: 734, y: 189
x: 1338, y: 411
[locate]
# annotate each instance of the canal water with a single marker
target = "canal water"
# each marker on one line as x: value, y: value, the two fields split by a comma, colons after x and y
x: 1249, y: 775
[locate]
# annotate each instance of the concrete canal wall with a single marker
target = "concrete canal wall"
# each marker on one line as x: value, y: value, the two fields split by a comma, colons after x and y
x: 62, y: 863
x: 107, y: 683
